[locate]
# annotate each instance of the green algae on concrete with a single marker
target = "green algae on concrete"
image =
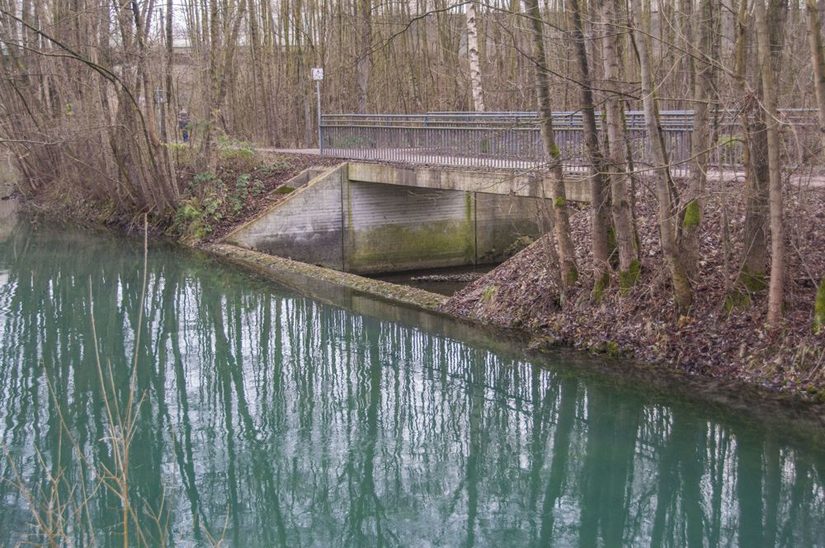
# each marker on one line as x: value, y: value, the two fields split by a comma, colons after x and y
x: 285, y: 270
x: 392, y: 246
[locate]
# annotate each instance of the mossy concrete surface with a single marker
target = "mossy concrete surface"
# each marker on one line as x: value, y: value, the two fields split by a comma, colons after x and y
x: 390, y: 229
x: 286, y: 271
x: 393, y: 248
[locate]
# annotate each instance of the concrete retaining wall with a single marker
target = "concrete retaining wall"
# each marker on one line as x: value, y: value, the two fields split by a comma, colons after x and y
x: 392, y: 229
x: 306, y: 226
x: 370, y: 227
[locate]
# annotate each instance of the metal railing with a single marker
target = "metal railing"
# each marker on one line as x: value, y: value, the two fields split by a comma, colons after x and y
x: 512, y: 140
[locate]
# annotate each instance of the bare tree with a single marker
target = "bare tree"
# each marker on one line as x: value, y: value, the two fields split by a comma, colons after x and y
x: 364, y: 62
x: 818, y: 62
x: 566, y: 251
x: 599, y: 183
x: 617, y: 146
x: 701, y: 69
x: 666, y: 194
x: 776, y: 289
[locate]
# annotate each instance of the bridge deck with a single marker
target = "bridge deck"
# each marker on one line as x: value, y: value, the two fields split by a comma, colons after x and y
x: 815, y: 178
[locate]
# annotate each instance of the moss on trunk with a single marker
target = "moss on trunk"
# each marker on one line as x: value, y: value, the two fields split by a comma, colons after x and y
x: 693, y: 215
x: 819, y: 308
x: 598, y: 288
x: 629, y: 277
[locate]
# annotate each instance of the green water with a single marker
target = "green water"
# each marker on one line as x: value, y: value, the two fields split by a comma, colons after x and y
x: 270, y: 419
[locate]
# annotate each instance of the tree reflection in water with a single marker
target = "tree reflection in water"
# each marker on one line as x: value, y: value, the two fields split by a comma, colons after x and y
x: 271, y: 419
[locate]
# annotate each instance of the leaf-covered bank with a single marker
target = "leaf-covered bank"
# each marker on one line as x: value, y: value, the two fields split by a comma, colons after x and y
x: 723, y: 336
x: 243, y: 182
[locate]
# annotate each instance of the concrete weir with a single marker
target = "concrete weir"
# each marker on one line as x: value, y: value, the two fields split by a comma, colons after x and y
x: 370, y: 218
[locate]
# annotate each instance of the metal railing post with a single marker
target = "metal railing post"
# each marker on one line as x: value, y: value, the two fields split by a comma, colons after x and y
x: 320, y: 133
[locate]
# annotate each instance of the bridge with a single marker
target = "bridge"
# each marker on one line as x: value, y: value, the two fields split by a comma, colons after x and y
x: 370, y: 218
x: 447, y: 189
x: 512, y: 140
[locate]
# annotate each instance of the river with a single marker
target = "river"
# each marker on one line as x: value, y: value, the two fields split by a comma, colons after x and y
x: 259, y: 417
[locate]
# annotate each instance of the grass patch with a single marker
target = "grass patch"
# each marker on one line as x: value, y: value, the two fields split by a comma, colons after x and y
x: 737, y: 300
x: 488, y: 293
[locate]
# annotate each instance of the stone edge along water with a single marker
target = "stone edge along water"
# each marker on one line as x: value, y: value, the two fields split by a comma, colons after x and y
x: 284, y: 270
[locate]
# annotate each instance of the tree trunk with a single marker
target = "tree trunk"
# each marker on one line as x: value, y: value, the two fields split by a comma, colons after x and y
x: 702, y: 79
x: 599, y: 184
x: 472, y: 54
x: 776, y: 289
x: 364, y: 62
x: 752, y: 275
x: 566, y: 253
x: 213, y: 86
x: 665, y: 189
x: 818, y: 63
x: 170, y: 52
x: 617, y: 149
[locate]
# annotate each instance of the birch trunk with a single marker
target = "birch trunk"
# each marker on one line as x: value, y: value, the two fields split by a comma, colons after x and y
x: 472, y: 54
x: 363, y: 64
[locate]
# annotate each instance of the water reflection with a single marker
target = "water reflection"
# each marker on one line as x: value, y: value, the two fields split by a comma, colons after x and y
x: 270, y: 419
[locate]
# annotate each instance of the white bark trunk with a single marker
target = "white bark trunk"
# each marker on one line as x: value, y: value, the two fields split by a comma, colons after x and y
x: 475, y: 63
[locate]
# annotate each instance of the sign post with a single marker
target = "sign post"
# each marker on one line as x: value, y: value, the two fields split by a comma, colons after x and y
x: 318, y: 75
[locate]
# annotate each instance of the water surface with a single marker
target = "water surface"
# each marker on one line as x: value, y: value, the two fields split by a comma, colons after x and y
x: 264, y: 418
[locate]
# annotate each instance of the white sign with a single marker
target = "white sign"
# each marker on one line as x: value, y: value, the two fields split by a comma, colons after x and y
x: 317, y: 74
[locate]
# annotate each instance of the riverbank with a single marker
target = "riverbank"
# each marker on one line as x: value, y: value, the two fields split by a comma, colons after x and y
x: 243, y: 183
x: 722, y: 342
x: 721, y: 339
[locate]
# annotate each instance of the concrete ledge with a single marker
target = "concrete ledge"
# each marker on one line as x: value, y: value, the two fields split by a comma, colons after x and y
x: 296, y: 274
x: 534, y: 185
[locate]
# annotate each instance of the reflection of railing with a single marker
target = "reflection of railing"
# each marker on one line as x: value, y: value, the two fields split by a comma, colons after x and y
x: 513, y: 140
